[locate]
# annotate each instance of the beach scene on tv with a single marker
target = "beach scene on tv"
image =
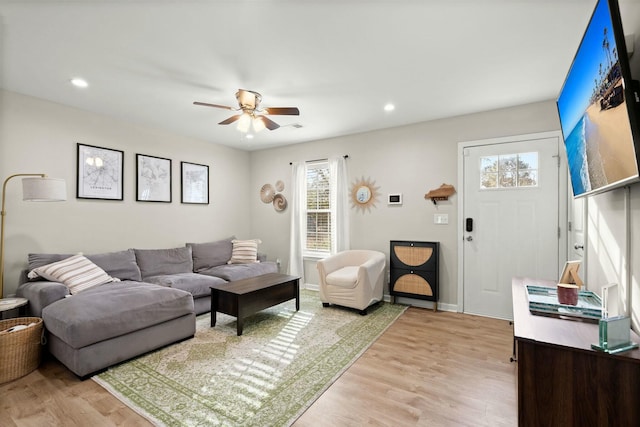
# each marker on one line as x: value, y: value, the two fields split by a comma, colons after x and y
x: 593, y: 115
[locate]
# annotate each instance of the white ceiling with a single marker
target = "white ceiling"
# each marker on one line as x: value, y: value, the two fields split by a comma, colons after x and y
x: 339, y: 61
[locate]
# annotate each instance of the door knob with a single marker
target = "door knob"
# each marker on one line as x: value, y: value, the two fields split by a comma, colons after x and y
x: 469, y: 238
x: 577, y: 246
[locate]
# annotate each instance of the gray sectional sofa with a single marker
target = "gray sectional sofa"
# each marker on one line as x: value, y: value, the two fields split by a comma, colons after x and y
x: 154, y: 303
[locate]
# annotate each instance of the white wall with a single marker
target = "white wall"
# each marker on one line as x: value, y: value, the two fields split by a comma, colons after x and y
x: 411, y: 160
x: 613, y: 246
x: 37, y: 136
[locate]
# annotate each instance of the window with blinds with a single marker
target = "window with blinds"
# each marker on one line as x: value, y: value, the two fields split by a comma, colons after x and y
x: 318, y: 236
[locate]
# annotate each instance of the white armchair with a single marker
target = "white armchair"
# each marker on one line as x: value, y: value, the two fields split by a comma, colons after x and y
x: 353, y: 278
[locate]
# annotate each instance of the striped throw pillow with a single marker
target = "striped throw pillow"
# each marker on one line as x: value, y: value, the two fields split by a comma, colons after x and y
x: 244, y: 251
x: 77, y: 273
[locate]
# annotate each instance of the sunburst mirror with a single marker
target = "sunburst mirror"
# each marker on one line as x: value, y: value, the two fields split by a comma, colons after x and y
x: 364, y: 194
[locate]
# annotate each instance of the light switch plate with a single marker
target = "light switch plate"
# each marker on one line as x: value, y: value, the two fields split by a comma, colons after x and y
x: 441, y: 219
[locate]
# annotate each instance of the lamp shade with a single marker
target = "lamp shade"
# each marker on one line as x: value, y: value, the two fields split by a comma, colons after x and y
x: 44, y: 189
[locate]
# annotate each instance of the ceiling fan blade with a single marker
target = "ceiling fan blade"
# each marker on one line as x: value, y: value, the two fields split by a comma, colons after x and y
x: 282, y: 111
x: 230, y: 119
x: 268, y: 123
x: 213, y: 105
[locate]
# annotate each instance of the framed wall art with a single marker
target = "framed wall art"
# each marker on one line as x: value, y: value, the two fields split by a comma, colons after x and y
x: 195, y: 183
x: 100, y: 173
x: 153, y: 179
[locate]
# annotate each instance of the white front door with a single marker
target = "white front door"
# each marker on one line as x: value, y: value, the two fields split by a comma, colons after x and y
x: 509, y: 218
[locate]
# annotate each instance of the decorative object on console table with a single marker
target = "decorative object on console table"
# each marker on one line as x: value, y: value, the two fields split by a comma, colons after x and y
x: 414, y: 270
x: 36, y: 188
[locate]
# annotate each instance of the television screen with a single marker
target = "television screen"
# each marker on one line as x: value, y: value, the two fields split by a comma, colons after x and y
x: 597, y: 108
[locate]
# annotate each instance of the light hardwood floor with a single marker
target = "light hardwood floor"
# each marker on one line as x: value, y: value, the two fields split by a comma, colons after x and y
x: 427, y: 369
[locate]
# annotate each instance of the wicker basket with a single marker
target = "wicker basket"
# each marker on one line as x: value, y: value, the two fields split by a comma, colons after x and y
x: 19, y: 350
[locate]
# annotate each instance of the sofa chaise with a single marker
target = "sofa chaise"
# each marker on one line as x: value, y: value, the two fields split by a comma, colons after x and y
x: 151, y: 300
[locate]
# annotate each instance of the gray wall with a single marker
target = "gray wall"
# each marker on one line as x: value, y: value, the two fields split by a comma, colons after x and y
x: 411, y: 160
x: 37, y: 136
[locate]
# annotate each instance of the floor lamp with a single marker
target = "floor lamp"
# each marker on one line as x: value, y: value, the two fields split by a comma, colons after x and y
x: 38, y: 189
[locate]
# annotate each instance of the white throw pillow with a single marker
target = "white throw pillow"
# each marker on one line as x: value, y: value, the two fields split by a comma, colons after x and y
x: 244, y: 251
x: 77, y: 273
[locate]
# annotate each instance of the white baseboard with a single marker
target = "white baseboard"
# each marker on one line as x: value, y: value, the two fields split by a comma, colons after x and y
x: 310, y: 286
x: 424, y: 304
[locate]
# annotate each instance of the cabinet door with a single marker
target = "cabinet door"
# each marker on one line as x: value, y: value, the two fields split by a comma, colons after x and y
x: 414, y: 284
x: 414, y: 255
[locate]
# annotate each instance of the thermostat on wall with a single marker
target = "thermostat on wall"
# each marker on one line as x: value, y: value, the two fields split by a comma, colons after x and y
x: 395, y: 199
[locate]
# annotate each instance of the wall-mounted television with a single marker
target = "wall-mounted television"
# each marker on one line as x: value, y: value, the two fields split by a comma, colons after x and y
x: 598, y: 107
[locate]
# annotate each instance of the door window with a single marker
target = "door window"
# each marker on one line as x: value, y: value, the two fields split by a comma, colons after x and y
x: 509, y: 171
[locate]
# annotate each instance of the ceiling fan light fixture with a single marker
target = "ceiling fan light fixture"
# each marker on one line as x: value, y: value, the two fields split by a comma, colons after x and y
x: 258, y: 124
x: 248, y: 103
x: 248, y: 99
x: 244, y: 122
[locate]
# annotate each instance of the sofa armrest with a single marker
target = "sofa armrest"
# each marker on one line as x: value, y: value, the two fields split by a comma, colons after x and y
x: 40, y: 294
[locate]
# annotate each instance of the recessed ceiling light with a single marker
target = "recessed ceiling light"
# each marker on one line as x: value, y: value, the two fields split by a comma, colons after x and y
x: 389, y: 107
x: 78, y: 82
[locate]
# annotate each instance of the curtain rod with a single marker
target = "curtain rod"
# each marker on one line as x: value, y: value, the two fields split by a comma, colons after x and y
x: 346, y: 156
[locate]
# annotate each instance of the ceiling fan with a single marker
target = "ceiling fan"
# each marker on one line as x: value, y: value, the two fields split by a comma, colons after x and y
x: 249, y: 103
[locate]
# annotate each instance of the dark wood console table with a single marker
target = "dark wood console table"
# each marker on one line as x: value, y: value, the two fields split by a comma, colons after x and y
x: 561, y: 380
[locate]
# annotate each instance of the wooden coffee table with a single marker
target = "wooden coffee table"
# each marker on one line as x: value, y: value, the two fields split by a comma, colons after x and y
x: 243, y: 298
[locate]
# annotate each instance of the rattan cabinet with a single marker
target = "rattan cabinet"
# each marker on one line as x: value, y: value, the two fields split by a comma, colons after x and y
x: 414, y: 270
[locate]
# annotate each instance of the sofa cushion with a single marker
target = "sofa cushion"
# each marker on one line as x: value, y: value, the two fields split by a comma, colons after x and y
x: 244, y: 251
x: 158, y: 262
x: 345, y: 277
x: 112, y: 310
x: 231, y: 272
x: 120, y: 264
x: 40, y: 294
x: 194, y: 283
x: 211, y: 254
x: 76, y: 272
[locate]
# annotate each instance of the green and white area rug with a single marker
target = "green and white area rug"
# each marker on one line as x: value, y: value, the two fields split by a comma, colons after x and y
x: 267, y: 377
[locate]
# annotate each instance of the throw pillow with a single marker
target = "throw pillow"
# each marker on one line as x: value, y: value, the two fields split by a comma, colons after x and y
x: 244, y: 251
x: 211, y: 254
x: 121, y: 264
x: 159, y: 262
x: 76, y: 272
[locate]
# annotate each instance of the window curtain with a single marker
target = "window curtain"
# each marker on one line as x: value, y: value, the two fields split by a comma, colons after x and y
x: 340, y: 199
x: 298, y: 218
x: 340, y: 215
